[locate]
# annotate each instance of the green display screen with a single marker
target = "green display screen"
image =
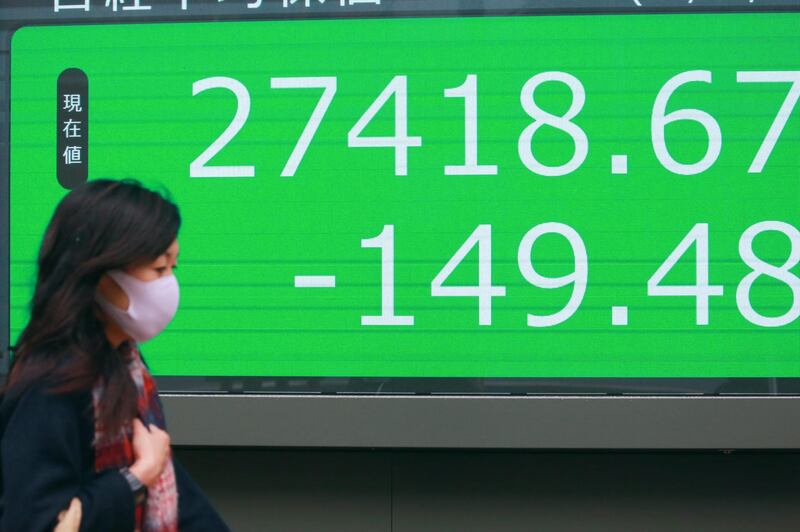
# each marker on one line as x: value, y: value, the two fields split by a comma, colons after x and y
x: 530, y: 196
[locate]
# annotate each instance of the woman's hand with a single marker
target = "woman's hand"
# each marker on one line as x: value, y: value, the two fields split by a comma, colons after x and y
x: 69, y: 520
x: 150, y: 451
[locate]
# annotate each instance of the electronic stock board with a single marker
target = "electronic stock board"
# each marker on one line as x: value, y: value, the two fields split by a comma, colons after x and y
x: 387, y: 198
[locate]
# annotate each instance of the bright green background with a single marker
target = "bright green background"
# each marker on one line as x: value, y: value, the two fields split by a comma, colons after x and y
x: 244, y: 239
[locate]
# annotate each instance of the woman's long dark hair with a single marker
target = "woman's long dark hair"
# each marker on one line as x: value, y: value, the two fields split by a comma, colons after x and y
x: 101, y: 225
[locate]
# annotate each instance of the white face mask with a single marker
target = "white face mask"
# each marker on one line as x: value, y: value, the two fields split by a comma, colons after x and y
x: 151, y: 304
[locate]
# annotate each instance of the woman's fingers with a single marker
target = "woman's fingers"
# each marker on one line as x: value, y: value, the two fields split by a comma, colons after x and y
x: 162, y: 434
x: 70, y: 519
x: 151, y: 451
x: 137, y: 426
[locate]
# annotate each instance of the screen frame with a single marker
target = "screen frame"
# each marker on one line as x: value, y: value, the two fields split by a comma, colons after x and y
x: 542, y: 423
x: 486, y: 413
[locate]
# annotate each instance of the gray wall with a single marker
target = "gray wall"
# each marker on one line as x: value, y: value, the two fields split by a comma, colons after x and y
x: 400, y: 491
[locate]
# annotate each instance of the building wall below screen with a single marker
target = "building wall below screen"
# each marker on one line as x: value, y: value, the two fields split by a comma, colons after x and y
x: 440, y: 491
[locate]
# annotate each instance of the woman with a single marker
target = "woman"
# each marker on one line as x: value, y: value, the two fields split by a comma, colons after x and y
x: 81, y: 422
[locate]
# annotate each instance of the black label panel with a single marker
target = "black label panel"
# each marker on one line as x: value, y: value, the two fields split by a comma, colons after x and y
x: 72, y: 128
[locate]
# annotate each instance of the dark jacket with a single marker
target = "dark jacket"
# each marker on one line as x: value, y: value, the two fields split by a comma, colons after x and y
x: 47, y: 458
